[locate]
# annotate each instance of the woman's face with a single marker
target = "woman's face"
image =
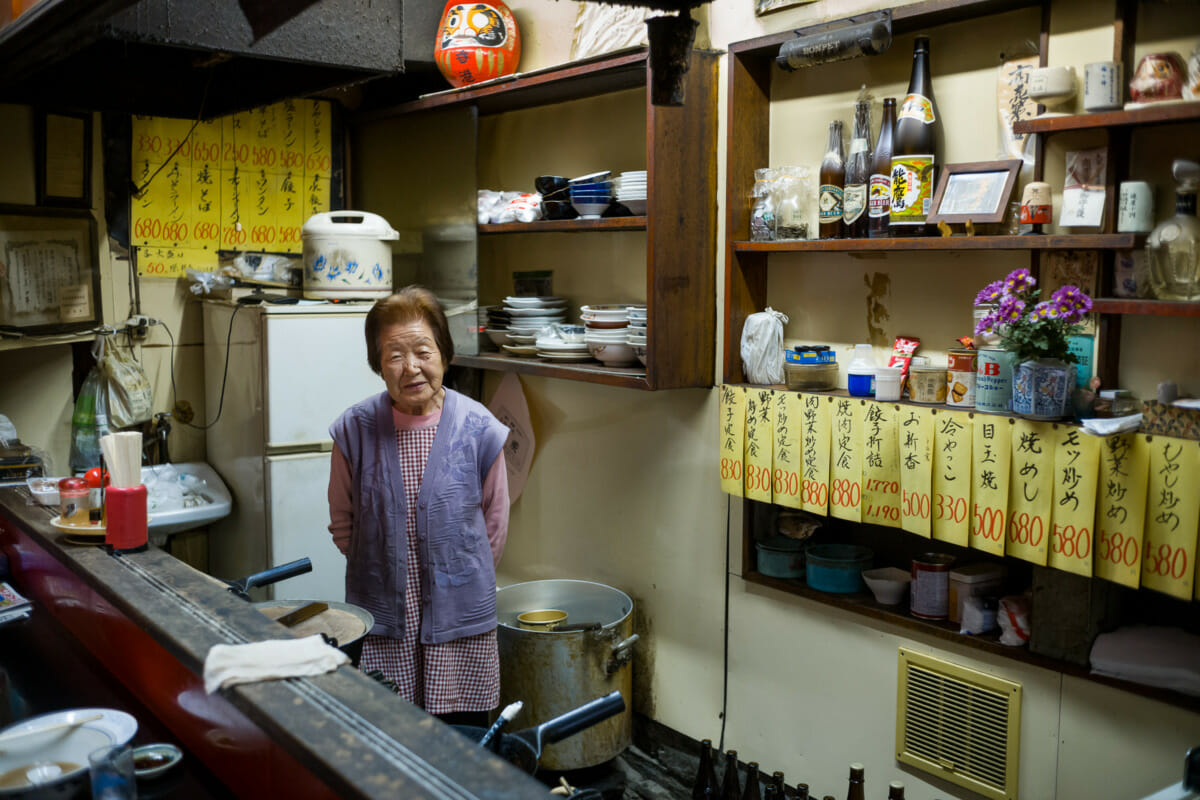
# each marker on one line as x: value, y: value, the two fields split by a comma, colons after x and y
x: 412, y: 367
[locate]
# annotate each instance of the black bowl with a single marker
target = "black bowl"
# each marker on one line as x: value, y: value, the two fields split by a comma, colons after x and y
x: 558, y: 209
x: 548, y: 184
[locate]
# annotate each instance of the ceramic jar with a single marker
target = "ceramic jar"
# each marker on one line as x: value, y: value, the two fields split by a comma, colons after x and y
x: 477, y: 42
x: 1042, y: 389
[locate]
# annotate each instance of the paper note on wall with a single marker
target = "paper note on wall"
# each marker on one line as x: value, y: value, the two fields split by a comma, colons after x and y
x: 788, y: 431
x: 881, y: 465
x: 845, y: 469
x: 173, y: 262
x: 952, y: 477
x: 1031, y: 491
x: 814, y: 476
x: 759, y: 419
x: 732, y: 428
x: 1172, y: 516
x: 916, y: 469
x: 991, y: 451
x: 1073, y: 518
x: 1120, y: 521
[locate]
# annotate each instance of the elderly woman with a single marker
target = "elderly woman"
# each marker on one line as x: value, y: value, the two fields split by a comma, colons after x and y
x: 418, y: 502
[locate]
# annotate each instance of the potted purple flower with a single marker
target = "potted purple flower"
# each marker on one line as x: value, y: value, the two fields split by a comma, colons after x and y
x: 1037, y: 332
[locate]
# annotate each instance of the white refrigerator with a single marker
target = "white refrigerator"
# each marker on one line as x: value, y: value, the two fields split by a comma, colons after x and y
x: 292, y: 370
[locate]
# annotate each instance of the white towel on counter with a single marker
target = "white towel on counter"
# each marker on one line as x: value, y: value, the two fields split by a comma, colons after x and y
x: 231, y: 664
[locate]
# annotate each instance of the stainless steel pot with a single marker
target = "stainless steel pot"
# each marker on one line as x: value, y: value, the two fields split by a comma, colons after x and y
x: 555, y: 671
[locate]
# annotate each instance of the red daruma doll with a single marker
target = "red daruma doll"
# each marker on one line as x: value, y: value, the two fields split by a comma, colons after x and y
x: 477, y: 42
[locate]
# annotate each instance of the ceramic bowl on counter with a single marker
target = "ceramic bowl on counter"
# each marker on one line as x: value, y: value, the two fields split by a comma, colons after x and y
x: 612, y: 353
x: 888, y: 584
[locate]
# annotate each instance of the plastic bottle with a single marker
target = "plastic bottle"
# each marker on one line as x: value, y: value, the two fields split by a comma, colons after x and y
x: 860, y: 372
x: 89, y: 422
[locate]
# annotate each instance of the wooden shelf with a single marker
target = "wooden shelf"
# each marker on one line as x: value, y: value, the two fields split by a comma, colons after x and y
x: 1156, y: 308
x: 864, y: 604
x: 1143, y: 117
x: 577, y: 80
x: 566, y: 226
x: 589, y: 372
x: 1100, y: 241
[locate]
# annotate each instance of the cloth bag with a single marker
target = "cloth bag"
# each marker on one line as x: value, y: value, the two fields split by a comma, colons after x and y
x: 762, y: 346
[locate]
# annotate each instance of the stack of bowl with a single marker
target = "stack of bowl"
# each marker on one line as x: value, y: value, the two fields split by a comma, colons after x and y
x: 591, y: 194
x: 497, y: 325
x: 563, y: 343
x: 635, y: 334
x: 605, y: 335
x: 529, y: 315
x: 631, y: 191
x: 556, y: 198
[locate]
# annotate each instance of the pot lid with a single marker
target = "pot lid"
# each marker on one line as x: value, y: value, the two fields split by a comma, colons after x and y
x: 349, y: 224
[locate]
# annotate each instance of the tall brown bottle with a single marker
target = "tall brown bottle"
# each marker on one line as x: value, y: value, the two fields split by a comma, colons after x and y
x: 775, y: 788
x: 730, y: 790
x: 801, y: 791
x: 879, y: 202
x: 833, y: 180
x: 752, y: 792
x: 857, y: 789
x: 858, y: 174
x: 914, y: 149
x: 895, y: 790
x: 705, y: 785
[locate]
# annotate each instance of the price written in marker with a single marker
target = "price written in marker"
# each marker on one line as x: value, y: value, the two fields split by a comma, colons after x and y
x: 732, y: 431
x: 1072, y: 520
x: 1031, y: 491
x: 1120, y: 519
x: 881, y: 465
x: 845, y: 471
x: 789, y: 438
x: 759, y: 445
x: 1172, y: 516
x: 815, y: 495
x: 991, y: 455
x: 952, y: 477
x: 916, y: 433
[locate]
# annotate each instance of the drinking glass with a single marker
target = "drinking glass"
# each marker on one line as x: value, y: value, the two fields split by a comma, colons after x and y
x: 113, y: 777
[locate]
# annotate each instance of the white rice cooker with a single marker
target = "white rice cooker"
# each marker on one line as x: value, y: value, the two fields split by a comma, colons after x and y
x: 346, y: 256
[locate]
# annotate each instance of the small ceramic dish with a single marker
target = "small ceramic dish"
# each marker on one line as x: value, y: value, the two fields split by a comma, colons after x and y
x: 152, y: 760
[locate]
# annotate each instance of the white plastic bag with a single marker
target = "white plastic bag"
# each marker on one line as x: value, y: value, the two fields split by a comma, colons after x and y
x: 1014, y: 617
x: 130, y: 398
x: 762, y: 346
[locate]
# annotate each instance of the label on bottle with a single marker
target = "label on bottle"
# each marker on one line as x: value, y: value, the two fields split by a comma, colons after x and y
x: 858, y: 146
x: 879, y: 203
x: 831, y: 203
x: 854, y: 202
x: 912, y: 189
x: 918, y: 107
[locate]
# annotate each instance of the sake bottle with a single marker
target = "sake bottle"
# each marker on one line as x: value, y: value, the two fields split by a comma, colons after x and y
x: 833, y: 179
x: 895, y: 790
x: 775, y: 788
x: 879, y: 195
x: 914, y: 149
x: 752, y: 792
x: 705, y: 785
x: 730, y: 789
x: 857, y: 789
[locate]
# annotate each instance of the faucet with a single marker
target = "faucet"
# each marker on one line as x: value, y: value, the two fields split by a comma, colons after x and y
x: 158, y: 436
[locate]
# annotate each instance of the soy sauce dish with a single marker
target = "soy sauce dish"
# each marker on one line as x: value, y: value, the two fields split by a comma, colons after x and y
x: 152, y: 760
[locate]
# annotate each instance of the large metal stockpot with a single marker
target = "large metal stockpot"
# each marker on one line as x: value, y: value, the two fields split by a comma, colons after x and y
x: 555, y: 671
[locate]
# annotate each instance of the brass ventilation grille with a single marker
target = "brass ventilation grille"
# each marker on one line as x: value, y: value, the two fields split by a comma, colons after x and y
x: 958, y: 724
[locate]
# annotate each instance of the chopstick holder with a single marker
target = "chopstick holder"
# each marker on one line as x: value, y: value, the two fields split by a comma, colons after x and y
x: 126, y: 530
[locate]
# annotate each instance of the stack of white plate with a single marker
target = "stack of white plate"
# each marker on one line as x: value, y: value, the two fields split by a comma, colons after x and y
x: 528, y: 316
x: 635, y: 334
x: 564, y: 343
x: 606, y: 332
x: 631, y: 191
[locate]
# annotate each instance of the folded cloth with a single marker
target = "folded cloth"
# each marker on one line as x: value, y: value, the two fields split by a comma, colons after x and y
x: 231, y: 664
x: 1106, y: 426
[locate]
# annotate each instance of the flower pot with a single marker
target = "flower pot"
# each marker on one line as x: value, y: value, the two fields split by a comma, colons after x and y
x: 1042, y: 388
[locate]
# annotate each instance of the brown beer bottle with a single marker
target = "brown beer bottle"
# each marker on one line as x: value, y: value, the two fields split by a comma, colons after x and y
x: 752, y: 791
x: 705, y: 785
x: 879, y: 201
x: 833, y: 179
x: 895, y: 790
x: 858, y: 174
x: 801, y: 791
x: 775, y: 788
x: 857, y: 790
x: 914, y: 149
x: 730, y: 790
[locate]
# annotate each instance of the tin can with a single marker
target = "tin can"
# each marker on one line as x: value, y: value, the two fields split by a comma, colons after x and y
x: 993, y: 380
x: 960, y: 377
x: 929, y: 596
x: 927, y: 384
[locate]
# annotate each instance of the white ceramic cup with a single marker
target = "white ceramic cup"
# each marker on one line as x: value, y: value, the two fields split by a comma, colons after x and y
x: 1135, y: 208
x: 1052, y: 85
x: 1102, y: 86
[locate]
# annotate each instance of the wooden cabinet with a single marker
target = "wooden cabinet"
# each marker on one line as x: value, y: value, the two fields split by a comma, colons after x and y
x: 679, y: 224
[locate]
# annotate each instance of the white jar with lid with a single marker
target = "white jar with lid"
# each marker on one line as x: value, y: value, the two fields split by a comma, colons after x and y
x: 860, y: 372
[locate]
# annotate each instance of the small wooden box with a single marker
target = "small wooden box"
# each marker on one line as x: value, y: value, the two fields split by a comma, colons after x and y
x: 1165, y: 420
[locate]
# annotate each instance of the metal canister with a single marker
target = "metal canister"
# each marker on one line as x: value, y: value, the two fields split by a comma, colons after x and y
x: 927, y: 383
x: 960, y: 377
x: 993, y: 380
x: 929, y: 594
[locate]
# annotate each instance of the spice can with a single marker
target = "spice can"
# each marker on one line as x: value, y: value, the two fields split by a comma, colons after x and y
x: 927, y: 384
x: 929, y: 595
x: 993, y: 380
x: 960, y: 377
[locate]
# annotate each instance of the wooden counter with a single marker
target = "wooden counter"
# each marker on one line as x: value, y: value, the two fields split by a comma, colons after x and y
x: 151, y: 619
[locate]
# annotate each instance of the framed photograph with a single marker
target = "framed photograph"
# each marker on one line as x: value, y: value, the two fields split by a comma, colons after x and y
x: 767, y: 6
x: 49, y: 270
x: 63, y: 149
x: 978, y: 191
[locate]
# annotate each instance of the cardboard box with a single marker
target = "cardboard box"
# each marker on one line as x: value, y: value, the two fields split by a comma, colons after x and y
x: 1165, y: 420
